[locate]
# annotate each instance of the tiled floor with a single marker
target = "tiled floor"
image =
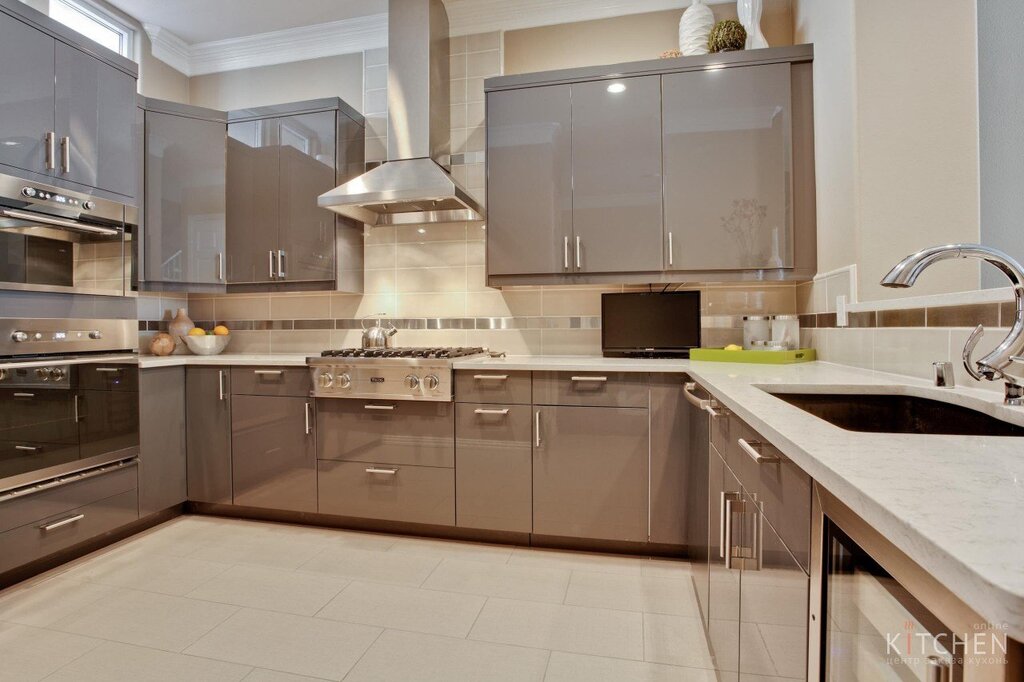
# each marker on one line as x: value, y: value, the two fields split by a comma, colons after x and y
x: 204, y: 598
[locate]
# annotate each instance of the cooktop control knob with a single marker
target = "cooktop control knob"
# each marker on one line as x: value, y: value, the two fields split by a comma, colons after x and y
x: 412, y: 381
x: 343, y: 381
x: 56, y: 374
x: 19, y: 336
x: 326, y: 379
x: 431, y: 382
x: 95, y: 334
x: 43, y: 374
x: 3, y: 374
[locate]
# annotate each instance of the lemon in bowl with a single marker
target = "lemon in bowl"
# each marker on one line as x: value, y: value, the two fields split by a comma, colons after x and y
x: 201, y: 342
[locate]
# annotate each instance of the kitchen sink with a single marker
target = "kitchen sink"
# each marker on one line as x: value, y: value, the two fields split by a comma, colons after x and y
x: 888, y: 413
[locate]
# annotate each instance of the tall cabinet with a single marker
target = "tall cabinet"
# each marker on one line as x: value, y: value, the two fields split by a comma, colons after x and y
x: 280, y: 159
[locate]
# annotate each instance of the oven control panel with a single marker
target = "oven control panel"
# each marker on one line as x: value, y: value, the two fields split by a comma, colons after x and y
x: 58, y: 335
x: 38, y: 194
x: 394, y: 381
x: 57, y: 376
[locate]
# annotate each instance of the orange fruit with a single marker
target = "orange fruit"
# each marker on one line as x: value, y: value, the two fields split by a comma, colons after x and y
x: 221, y: 330
x: 196, y: 331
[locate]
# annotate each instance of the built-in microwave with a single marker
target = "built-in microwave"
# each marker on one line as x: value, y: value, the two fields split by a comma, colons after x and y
x: 650, y: 324
x: 56, y: 240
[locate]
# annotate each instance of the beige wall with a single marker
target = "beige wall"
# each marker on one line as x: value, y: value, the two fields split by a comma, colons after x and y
x: 157, y: 79
x: 622, y: 39
x: 339, y: 76
x: 896, y: 133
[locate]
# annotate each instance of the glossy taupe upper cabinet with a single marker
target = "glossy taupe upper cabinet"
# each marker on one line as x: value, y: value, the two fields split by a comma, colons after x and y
x: 616, y: 175
x: 529, y: 153
x: 728, y: 169
x: 26, y: 95
x: 252, y: 201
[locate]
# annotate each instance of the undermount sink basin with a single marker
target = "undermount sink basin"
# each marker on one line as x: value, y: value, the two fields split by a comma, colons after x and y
x: 886, y: 413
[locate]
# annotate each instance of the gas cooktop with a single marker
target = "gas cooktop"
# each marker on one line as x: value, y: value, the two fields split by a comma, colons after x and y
x: 439, y: 353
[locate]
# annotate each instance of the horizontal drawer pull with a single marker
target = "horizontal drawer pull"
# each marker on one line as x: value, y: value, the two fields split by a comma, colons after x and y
x: 26, y: 448
x: 755, y: 454
x: 600, y: 379
x: 110, y: 370
x: 379, y: 407
x: 268, y: 372
x: 377, y: 470
x: 24, y: 395
x: 63, y: 522
x: 491, y: 377
x: 481, y: 410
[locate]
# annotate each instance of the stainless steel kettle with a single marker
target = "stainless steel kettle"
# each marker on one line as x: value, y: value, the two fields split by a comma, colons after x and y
x: 378, y: 336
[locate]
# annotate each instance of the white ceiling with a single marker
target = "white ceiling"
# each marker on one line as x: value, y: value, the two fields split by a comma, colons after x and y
x: 200, y: 21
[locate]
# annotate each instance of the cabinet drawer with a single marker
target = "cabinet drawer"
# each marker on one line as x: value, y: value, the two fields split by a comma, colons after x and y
x: 108, y: 377
x: 492, y: 386
x: 421, y: 433
x: 41, y: 538
x: 781, y: 489
x: 390, y: 493
x: 58, y: 500
x: 602, y: 389
x: 494, y: 467
x: 293, y: 381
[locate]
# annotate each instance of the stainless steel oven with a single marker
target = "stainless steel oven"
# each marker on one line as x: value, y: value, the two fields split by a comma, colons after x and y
x: 69, y: 397
x: 53, y: 239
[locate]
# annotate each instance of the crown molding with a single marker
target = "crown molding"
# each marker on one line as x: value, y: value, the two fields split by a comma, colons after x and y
x: 169, y: 48
x: 466, y: 17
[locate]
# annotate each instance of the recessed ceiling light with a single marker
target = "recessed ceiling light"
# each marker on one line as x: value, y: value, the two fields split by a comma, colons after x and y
x: 617, y: 88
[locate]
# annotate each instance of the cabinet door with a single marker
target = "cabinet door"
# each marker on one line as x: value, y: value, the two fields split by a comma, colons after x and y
x: 774, y: 592
x: 723, y: 583
x: 94, y: 114
x: 308, y: 145
x: 616, y: 175
x: 274, y: 462
x: 208, y: 441
x: 108, y: 422
x: 529, y: 181
x: 728, y: 162
x: 162, y: 481
x: 590, y: 472
x: 252, y: 202
x: 26, y: 98
x: 185, y: 176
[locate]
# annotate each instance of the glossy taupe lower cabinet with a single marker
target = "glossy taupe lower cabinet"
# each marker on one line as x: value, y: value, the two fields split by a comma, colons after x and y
x: 208, y: 415
x: 723, y: 617
x: 162, y: 462
x: 590, y: 472
x: 273, y: 459
x: 413, y: 494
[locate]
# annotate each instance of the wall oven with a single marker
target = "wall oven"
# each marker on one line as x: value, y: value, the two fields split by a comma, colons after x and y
x: 69, y: 398
x: 56, y: 240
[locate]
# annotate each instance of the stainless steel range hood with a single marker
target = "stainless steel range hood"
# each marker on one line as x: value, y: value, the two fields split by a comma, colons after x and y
x: 414, y: 185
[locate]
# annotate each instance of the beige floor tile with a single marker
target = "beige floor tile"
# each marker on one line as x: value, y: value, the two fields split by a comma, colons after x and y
x: 666, y: 568
x: 452, y: 549
x: 40, y: 604
x: 355, y: 540
x: 272, y: 589
x: 565, y: 667
x: 405, y: 608
x: 530, y: 583
x: 28, y: 654
x: 787, y: 647
x: 580, y: 561
x: 373, y: 566
x: 262, y: 549
x: 675, y: 640
x: 618, y: 634
x: 295, y: 644
x: 113, y: 662
x: 413, y: 657
x: 633, y: 593
x: 264, y: 675
x: 147, y: 619
x: 135, y: 568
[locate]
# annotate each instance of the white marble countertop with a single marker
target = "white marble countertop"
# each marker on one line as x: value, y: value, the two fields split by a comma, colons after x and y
x: 574, y: 363
x: 279, y: 359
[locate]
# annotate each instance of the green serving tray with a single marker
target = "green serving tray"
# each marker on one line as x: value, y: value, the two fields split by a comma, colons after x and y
x: 764, y: 357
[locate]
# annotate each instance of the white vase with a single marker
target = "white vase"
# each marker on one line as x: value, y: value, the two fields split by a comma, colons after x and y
x: 179, y: 327
x: 694, y: 29
x: 749, y: 14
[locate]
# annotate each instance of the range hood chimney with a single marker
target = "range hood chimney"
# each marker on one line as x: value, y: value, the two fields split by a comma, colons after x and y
x: 414, y: 185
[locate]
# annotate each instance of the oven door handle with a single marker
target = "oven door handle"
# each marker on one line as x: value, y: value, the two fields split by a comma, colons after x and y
x: 57, y: 222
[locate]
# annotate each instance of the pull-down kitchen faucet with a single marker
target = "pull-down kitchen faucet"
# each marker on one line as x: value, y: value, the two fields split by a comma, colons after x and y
x: 997, y: 364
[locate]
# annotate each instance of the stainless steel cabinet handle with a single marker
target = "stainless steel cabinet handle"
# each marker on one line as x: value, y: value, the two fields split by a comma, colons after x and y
x: 536, y: 429
x: 595, y: 379
x: 670, y: 248
x: 578, y: 259
x: 220, y: 267
x: 270, y: 265
x: 74, y: 404
x: 62, y: 522
x: 110, y: 370
x: 282, y: 270
x: 65, y: 155
x: 26, y: 448
x: 710, y: 409
x: 481, y: 410
x: 57, y: 222
x: 699, y: 403
x: 565, y: 252
x: 490, y: 377
x: 751, y: 448
x: 51, y: 150
x: 727, y: 527
x: 24, y: 395
x: 386, y: 472
x: 221, y: 391
x: 268, y: 372
x: 379, y: 407
x: 309, y: 420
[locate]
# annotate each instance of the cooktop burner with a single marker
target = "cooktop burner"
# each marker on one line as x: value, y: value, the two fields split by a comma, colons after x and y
x: 431, y: 353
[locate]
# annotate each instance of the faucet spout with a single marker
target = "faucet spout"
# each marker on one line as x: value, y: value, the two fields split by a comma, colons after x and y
x: 997, y: 364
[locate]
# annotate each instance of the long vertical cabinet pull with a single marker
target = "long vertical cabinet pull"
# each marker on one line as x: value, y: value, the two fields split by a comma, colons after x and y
x: 65, y: 155
x: 220, y: 267
x: 270, y: 265
x: 670, y: 248
x: 222, y: 392
x: 536, y: 429
x: 309, y: 420
x: 725, y: 532
x: 282, y: 270
x: 51, y: 150
x: 578, y: 257
x: 565, y: 252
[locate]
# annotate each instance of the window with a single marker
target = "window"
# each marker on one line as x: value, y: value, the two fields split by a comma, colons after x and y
x: 94, y: 23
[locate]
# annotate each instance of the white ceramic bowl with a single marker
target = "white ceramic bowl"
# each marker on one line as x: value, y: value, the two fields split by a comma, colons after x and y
x: 207, y: 345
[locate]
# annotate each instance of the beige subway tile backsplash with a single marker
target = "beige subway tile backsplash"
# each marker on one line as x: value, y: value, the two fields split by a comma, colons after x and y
x: 299, y: 306
x: 431, y: 280
x: 432, y: 305
x: 432, y: 254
